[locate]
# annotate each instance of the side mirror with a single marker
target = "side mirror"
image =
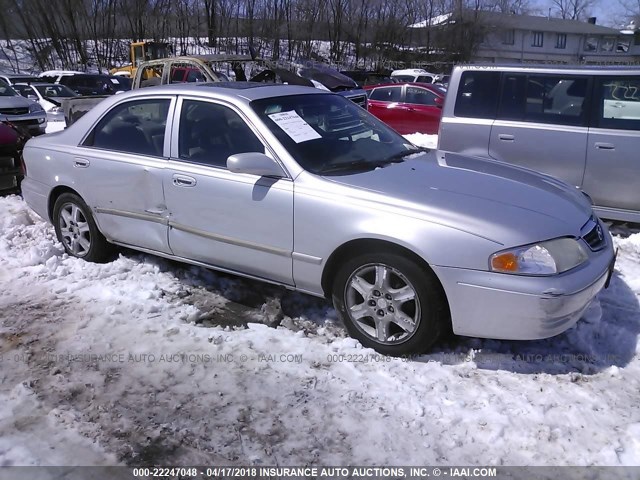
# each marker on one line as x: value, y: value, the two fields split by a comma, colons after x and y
x: 439, y: 102
x: 32, y: 97
x: 255, y: 163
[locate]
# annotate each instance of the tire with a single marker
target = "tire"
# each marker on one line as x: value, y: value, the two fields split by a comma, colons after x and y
x: 390, y: 303
x: 77, y: 230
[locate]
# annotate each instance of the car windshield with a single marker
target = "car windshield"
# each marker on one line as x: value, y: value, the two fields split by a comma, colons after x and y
x: 6, y: 90
x: 55, y: 90
x: 329, y: 135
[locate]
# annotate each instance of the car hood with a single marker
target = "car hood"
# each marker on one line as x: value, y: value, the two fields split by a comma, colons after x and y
x: 14, y: 102
x: 499, y: 202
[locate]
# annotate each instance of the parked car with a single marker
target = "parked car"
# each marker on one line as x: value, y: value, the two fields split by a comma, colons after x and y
x: 415, y: 75
x: 13, y: 78
x: 21, y: 111
x: 407, y: 107
x: 54, y: 76
x: 406, y: 242
x: 49, y: 96
x: 364, y: 77
x: 581, y: 125
x: 12, y: 140
x: 96, y: 84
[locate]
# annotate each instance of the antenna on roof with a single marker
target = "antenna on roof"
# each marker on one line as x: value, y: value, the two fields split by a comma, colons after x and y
x: 549, y: 14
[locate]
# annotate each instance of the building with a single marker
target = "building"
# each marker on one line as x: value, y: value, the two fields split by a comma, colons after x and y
x: 486, y: 36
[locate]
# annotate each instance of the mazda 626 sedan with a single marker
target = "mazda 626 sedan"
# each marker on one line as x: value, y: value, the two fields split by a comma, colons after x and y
x: 305, y: 189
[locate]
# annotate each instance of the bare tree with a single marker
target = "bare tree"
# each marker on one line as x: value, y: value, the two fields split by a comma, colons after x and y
x: 573, y: 9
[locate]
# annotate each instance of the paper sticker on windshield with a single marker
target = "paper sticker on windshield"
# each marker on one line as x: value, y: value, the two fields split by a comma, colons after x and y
x: 294, y: 126
x: 113, y: 80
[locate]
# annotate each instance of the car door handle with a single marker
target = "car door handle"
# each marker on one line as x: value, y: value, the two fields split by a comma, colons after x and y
x: 506, y: 137
x: 605, y: 146
x: 184, y: 181
x: 81, y: 162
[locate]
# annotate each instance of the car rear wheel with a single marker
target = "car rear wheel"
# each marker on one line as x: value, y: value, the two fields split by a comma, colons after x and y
x: 77, y: 230
x: 390, y: 303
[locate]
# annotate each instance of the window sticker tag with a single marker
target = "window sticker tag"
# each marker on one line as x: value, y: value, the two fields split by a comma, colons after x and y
x: 294, y: 126
x: 113, y: 80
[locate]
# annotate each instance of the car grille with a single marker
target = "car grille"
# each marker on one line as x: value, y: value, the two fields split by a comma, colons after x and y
x: 360, y: 100
x: 593, y: 234
x: 14, y: 111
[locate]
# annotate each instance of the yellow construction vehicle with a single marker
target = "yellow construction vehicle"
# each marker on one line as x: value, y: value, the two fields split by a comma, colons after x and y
x: 142, y: 52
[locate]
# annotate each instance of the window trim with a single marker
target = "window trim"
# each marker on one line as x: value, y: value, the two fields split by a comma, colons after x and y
x: 406, y: 95
x: 509, y: 36
x: 537, y: 35
x: 597, y: 109
x: 399, y: 87
x: 167, y: 132
x: 174, y: 153
x: 583, y: 120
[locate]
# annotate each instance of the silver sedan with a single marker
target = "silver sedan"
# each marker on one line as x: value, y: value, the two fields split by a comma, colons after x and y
x: 303, y: 188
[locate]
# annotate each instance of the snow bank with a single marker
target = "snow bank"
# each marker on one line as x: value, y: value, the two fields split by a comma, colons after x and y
x: 142, y: 360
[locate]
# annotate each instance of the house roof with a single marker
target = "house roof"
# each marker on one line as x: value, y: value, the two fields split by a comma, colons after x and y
x: 525, y: 22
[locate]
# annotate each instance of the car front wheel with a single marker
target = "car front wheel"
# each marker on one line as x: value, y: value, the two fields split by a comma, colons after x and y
x: 77, y: 230
x: 390, y: 303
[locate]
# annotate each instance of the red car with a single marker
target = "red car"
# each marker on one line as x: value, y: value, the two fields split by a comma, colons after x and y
x: 407, y: 107
x: 12, y: 140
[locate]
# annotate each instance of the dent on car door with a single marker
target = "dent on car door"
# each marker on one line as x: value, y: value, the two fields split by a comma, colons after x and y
x: 541, y: 124
x: 123, y: 157
x: 238, y: 222
x: 612, y: 175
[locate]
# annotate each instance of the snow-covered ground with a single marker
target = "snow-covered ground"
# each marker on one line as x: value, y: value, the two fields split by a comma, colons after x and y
x: 146, y: 361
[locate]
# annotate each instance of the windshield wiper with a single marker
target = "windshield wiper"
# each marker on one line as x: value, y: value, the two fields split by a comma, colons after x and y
x: 356, y: 165
x: 398, y: 157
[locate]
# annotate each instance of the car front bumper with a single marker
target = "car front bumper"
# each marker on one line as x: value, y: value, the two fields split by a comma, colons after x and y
x: 34, y: 123
x: 514, y: 307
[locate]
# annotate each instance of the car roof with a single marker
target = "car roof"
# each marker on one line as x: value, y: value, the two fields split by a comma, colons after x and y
x: 546, y: 68
x: 248, y: 91
x: 429, y: 86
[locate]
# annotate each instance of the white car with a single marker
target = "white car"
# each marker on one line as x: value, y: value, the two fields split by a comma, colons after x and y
x: 49, y: 96
x: 416, y: 75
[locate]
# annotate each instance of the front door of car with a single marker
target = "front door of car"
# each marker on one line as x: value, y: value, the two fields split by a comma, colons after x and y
x: 238, y: 222
x: 612, y: 175
x: 126, y: 154
x: 384, y: 103
x: 422, y: 110
x: 542, y: 124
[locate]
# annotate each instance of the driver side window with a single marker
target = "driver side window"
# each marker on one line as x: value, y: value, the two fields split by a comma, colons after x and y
x: 210, y: 133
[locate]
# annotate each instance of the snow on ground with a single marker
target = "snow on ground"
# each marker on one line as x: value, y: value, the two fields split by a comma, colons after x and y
x: 146, y: 361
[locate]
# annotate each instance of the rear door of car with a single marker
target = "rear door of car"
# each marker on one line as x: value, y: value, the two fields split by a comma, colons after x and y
x: 612, y: 175
x: 126, y: 154
x: 386, y: 104
x: 422, y: 110
x: 542, y: 124
x: 239, y: 222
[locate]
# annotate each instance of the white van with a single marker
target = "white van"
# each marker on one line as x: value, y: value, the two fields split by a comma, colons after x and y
x: 416, y: 75
x: 579, y: 124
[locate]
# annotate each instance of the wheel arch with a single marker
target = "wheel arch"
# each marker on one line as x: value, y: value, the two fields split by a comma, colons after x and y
x: 55, y: 194
x: 367, y: 245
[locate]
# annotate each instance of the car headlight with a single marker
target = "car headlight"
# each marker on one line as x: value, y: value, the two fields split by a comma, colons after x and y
x: 35, y: 107
x: 544, y: 258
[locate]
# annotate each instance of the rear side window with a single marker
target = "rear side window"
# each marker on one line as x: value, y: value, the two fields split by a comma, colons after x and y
x: 387, y: 94
x: 133, y: 127
x: 425, y: 79
x: 554, y: 99
x: 420, y: 96
x: 618, y: 103
x: 477, y: 94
